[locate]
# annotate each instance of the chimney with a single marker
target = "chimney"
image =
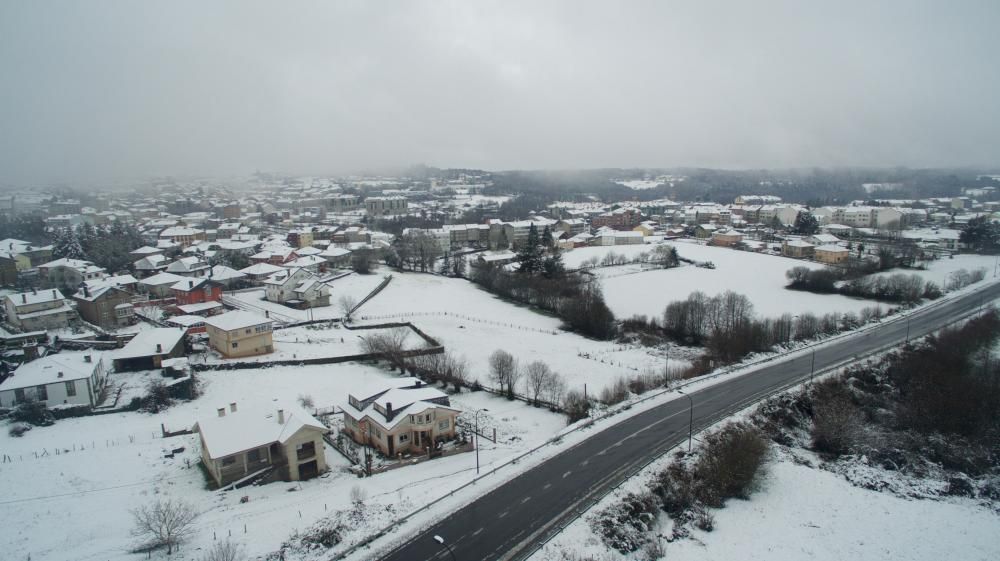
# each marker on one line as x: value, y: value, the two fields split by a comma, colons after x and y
x: 54, y: 294
x: 190, y: 284
x: 87, y: 358
x: 281, y: 416
x: 34, y: 291
x: 24, y: 298
x: 86, y: 292
x: 222, y: 411
x: 159, y: 348
x: 232, y: 407
x: 388, y: 411
x: 59, y: 375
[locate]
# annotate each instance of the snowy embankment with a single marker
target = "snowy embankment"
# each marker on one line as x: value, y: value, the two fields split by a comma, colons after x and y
x: 806, y: 513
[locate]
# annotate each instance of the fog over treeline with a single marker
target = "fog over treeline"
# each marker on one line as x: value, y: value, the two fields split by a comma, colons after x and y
x: 110, y: 89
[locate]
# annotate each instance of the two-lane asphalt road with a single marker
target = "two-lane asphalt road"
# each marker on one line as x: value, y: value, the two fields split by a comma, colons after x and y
x: 510, y: 521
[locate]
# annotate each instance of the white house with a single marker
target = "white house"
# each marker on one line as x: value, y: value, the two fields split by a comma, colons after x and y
x: 68, y: 378
x: 38, y: 310
x: 298, y: 288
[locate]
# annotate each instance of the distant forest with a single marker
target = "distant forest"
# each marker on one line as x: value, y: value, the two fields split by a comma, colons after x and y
x: 814, y: 187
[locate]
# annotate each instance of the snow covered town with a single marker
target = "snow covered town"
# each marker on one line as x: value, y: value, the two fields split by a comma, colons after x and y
x: 558, y: 280
x: 304, y: 362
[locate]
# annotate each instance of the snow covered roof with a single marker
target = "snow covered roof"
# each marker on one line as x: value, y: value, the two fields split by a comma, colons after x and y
x: 59, y: 367
x: 187, y: 264
x: 145, y: 342
x: 261, y: 269
x: 236, y: 320
x: 223, y: 273
x: 335, y: 252
x: 307, y: 261
x: 35, y: 297
x: 200, y: 307
x: 185, y: 322
x: 146, y: 250
x: 161, y: 279
x: 825, y: 238
x: 242, y: 430
x: 798, y: 243
x: 832, y: 248
x: 187, y: 284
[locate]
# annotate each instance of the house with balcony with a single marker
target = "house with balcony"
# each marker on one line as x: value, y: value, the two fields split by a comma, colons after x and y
x: 405, y: 417
x: 60, y: 379
x: 238, y: 334
x: 274, y: 443
x: 38, y: 310
x: 297, y: 288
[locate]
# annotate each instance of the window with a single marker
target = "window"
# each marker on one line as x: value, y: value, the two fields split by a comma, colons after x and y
x: 235, y: 344
x: 42, y: 393
x: 228, y: 460
x: 71, y: 388
x: 403, y: 438
x: 248, y: 331
x: 19, y: 395
x: 412, y: 420
x: 443, y: 425
x: 253, y: 455
x: 378, y: 433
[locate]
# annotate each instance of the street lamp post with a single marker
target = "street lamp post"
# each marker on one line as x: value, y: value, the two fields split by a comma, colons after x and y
x: 690, y: 418
x: 440, y: 540
x: 475, y: 437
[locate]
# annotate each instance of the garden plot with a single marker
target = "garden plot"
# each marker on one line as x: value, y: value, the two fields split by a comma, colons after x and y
x: 117, y: 462
x: 760, y: 277
x: 473, y: 323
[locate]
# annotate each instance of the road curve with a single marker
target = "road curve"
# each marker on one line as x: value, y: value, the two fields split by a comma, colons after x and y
x: 510, y: 521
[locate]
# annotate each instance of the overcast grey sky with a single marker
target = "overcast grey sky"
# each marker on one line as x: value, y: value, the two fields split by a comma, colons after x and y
x: 110, y: 89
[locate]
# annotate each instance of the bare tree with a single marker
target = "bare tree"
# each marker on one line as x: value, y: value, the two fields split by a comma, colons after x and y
x: 347, y: 304
x: 164, y: 523
x: 390, y: 345
x: 555, y: 388
x: 456, y: 371
x: 504, y: 371
x: 224, y: 550
x: 536, y: 376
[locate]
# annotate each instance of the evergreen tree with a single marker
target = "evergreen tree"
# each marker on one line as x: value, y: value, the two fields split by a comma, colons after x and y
x: 547, y: 237
x: 530, y: 255
x: 67, y: 245
x: 805, y: 224
x: 552, y: 266
x: 982, y: 235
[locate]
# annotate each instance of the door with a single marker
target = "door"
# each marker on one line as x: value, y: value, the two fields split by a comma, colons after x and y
x: 308, y: 470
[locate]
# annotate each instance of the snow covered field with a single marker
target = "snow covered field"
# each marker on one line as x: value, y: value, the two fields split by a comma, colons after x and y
x: 760, y: 277
x: 808, y: 513
x: 121, y: 466
x: 478, y: 323
x: 640, y: 184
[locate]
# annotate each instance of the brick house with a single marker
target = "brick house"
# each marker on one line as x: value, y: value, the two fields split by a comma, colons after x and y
x: 196, y: 291
x: 107, y: 307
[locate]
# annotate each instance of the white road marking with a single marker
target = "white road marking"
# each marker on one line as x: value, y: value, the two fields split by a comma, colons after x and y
x: 565, y: 475
x: 502, y: 514
x: 547, y: 485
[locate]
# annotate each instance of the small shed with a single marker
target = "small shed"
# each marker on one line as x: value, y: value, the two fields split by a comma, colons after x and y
x: 149, y: 348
